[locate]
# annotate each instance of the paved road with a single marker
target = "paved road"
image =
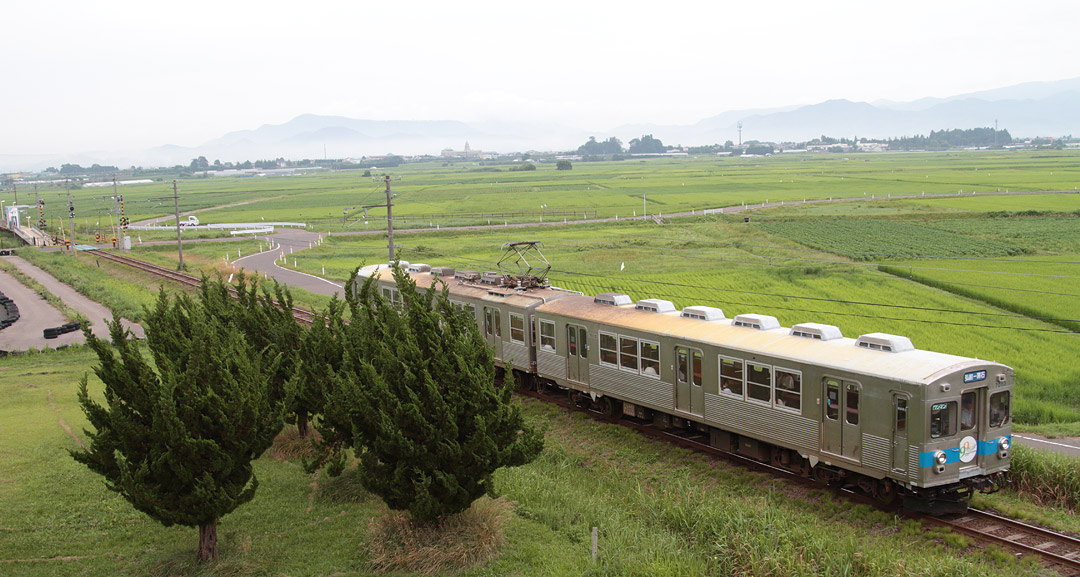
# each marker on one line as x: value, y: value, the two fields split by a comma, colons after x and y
x: 287, y: 241
x: 1066, y: 445
x: 36, y: 314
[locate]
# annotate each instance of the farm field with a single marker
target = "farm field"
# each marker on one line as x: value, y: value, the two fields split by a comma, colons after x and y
x: 777, y: 264
x: 660, y: 510
x: 610, y: 188
x: 733, y: 265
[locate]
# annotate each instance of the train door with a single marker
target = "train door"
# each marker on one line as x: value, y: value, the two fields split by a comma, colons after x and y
x: 841, y: 432
x: 689, y: 396
x: 971, y: 403
x: 577, y: 354
x: 900, y: 439
x: 493, y: 330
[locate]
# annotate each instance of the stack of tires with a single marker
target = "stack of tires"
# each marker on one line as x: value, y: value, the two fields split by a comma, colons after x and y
x: 52, y: 333
x: 11, y: 312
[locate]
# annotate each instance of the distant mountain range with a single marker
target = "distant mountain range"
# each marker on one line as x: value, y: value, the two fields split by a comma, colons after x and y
x: 1025, y: 110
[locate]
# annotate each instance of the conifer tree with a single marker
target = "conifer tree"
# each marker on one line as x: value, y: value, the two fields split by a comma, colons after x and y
x: 318, y: 358
x: 417, y: 386
x: 177, y: 441
x: 265, y: 318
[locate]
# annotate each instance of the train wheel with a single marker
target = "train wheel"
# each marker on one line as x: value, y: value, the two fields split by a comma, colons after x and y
x: 611, y: 408
x: 522, y: 381
x: 821, y: 475
x: 885, y: 491
x: 578, y: 399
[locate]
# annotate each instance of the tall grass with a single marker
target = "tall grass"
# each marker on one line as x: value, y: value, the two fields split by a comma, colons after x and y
x: 1049, y: 478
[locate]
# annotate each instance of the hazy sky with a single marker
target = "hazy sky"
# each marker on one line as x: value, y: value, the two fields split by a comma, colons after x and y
x: 116, y: 75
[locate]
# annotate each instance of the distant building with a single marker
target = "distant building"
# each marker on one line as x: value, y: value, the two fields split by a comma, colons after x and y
x: 467, y: 153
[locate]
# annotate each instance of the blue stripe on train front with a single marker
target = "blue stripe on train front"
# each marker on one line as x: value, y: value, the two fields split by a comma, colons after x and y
x: 952, y: 455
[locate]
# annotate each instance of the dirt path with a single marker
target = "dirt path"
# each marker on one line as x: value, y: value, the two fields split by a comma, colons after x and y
x: 36, y: 314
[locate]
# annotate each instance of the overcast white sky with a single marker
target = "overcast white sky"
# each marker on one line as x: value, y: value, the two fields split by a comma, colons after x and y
x: 116, y: 75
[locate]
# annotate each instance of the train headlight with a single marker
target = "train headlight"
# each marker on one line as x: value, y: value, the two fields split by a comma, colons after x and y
x: 939, y: 461
x: 1004, y: 444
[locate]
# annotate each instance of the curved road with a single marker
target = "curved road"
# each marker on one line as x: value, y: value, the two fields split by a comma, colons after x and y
x: 286, y: 242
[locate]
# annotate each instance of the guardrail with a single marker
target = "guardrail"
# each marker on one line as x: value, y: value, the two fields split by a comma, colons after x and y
x: 218, y: 226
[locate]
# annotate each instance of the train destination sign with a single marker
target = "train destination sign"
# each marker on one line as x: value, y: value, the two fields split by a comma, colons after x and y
x: 975, y: 377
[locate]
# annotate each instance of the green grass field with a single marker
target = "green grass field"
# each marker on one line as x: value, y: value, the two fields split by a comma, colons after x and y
x: 609, y: 188
x: 660, y: 511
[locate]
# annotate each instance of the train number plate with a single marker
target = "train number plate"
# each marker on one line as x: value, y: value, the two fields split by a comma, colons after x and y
x: 975, y: 377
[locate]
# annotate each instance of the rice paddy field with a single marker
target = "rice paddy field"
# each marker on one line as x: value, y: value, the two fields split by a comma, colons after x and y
x: 975, y: 271
x: 438, y: 193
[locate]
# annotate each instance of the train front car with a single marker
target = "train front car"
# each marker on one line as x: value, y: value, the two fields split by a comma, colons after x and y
x: 959, y: 435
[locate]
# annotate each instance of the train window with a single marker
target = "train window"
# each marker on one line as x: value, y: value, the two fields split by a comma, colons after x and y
x: 571, y: 341
x: 517, y: 328
x: 901, y: 416
x: 583, y: 335
x: 608, y: 350
x: 650, y: 359
x: 628, y: 351
x: 758, y: 382
x: 683, y: 360
x: 943, y: 419
x: 999, y: 409
x: 696, y: 372
x: 852, y: 401
x: 488, y: 323
x: 731, y: 376
x: 547, y: 335
x: 788, y: 389
x: 968, y: 415
x: 498, y: 323
x: 832, y: 399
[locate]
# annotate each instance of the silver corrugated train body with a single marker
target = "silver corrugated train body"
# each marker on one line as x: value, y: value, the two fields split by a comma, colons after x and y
x: 874, y: 411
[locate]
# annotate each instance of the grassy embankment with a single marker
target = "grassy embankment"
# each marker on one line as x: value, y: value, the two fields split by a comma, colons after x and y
x: 661, y: 511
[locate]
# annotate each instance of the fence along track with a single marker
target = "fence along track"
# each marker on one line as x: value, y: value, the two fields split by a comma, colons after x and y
x: 301, y: 315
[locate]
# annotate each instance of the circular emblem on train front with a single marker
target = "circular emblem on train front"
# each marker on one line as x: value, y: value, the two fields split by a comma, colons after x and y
x: 969, y: 447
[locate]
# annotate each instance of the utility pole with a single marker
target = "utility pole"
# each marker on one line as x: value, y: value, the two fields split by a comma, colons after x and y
x: 71, y: 214
x: 389, y: 217
x: 116, y: 208
x: 15, y: 187
x: 176, y: 205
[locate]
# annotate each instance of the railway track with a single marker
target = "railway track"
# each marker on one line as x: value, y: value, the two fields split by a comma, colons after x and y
x: 301, y: 315
x: 1056, y: 551
x: 1061, y: 552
